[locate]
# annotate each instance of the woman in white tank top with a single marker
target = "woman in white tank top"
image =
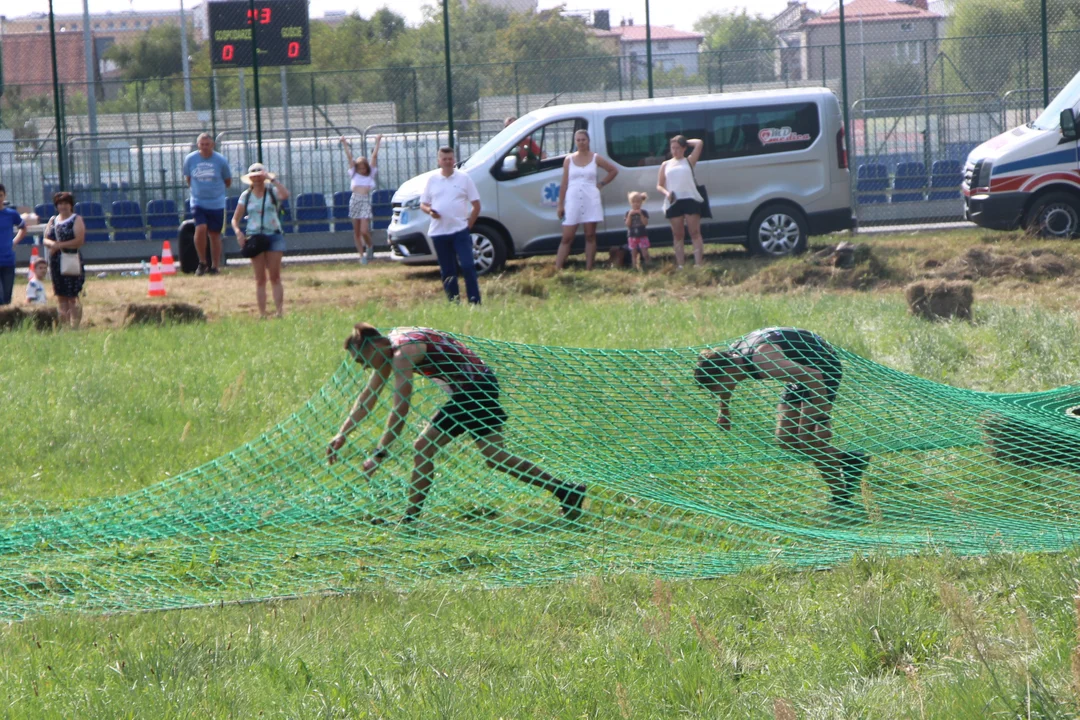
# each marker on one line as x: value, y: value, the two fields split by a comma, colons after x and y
x: 682, y: 201
x: 579, y: 198
x: 362, y: 181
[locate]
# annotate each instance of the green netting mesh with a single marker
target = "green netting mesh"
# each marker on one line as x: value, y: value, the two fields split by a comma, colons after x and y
x: 669, y: 493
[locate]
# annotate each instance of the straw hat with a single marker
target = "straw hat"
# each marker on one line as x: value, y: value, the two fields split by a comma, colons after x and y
x: 255, y: 169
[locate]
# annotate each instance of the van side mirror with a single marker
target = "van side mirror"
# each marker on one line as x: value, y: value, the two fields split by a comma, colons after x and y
x: 1068, y: 124
x: 510, y: 165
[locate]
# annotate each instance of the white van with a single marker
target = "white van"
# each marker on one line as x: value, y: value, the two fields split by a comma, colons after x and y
x: 1029, y: 177
x: 774, y: 163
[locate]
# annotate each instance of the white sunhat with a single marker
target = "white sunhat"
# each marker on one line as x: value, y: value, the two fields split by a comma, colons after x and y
x: 255, y: 169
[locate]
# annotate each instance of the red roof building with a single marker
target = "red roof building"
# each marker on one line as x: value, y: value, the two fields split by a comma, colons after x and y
x: 27, y: 61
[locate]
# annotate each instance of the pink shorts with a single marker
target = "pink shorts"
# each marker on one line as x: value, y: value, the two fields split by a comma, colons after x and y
x: 639, y: 243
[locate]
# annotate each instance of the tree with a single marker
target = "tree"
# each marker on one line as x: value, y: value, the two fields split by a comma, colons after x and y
x: 748, y: 46
x: 156, y: 54
x: 538, y: 40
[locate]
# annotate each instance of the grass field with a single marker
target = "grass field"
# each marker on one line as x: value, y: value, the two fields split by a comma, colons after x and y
x: 103, y: 412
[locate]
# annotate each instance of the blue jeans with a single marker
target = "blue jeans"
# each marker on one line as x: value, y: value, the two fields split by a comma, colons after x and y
x: 456, y: 251
x: 7, y: 284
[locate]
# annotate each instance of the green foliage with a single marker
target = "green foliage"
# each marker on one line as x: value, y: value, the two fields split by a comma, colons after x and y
x: 155, y: 54
x: 747, y: 42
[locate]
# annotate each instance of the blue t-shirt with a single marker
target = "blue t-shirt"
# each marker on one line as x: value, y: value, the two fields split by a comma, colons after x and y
x: 10, y: 221
x: 208, y: 176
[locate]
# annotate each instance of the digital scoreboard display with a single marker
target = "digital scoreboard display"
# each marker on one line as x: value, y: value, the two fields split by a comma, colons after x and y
x: 281, y: 32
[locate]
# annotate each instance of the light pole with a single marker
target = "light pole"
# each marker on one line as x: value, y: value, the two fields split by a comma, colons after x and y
x: 91, y: 98
x: 184, y: 59
x: 255, y: 74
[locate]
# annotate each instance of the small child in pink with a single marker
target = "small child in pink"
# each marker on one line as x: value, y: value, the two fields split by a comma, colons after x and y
x: 637, y: 224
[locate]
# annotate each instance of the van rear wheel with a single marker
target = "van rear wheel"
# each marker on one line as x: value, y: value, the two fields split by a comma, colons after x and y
x: 776, y: 231
x: 1055, y: 215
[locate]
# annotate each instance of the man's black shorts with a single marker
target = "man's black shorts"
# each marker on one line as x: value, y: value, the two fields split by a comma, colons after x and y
x: 795, y: 393
x: 473, y: 409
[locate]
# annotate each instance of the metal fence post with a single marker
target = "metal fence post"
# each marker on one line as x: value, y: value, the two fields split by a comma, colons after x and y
x: 56, y: 103
x: 285, y: 120
x: 517, y: 92
x: 213, y: 103
x: 1045, y: 56
x: 648, y: 47
x: 449, y: 74
x: 843, y: 84
x: 255, y: 74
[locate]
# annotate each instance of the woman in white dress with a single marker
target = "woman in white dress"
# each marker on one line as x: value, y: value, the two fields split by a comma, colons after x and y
x: 682, y: 201
x: 579, y: 198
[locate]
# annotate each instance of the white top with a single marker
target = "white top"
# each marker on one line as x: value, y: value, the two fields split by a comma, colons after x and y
x: 356, y: 180
x: 452, y: 198
x: 680, y: 180
x: 262, y: 212
x: 584, y: 175
x: 35, y: 291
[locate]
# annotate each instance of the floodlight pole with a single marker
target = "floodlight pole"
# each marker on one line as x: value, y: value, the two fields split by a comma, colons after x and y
x: 648, y: 47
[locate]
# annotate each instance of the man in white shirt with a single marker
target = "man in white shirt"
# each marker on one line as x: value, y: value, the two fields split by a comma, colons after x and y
x: 452, y: 201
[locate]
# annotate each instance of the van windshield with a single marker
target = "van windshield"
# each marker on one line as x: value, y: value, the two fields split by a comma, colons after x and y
x: 489, y: 148
x: 1066, y: 99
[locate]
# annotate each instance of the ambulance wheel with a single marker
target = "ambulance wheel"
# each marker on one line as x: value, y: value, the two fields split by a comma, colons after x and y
x: 1055, y: 215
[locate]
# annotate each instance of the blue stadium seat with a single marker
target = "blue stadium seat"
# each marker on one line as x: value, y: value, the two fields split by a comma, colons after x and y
x: 94, y: 218
x: 188, y: 215
x: 230, y: 209
x: 312, y: 215
x: 126, y: 221
x: 44, y: 211
x: 945, y: 179
x: 341, y: 210
x: 911, y: 179
x: 161, y: 217
x: 381, y: 209
x: 872, y: 183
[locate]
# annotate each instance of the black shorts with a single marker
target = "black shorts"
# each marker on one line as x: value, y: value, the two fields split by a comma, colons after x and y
x: 686, y: 206
x: 474, y: 409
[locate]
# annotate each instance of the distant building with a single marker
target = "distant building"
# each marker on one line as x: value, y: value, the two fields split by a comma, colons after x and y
x: 333, y: 18
x: 27, y: 59
x: 518, y: 6
x: 791, y: 60
x: 671, y: 49
x: 879, y: 33
x: 121, y: 26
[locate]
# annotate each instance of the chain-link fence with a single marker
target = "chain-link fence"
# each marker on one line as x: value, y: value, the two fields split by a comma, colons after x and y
x: 924, y: 83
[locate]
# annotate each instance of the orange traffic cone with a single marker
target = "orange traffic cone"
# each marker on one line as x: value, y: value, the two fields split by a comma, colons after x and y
x: 33, y: 259
x: 157, y: 285
x: 167, y: 265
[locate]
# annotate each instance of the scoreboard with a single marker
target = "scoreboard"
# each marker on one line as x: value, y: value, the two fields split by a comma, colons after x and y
x: 282, y: 32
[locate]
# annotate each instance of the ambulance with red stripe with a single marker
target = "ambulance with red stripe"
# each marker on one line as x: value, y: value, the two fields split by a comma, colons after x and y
x: 1030, y: 177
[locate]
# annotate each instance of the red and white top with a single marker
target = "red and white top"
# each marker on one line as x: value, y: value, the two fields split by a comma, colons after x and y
x: 446, y: 361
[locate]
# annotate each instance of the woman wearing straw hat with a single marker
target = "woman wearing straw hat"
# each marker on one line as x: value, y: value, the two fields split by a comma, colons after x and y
x: 262, y: 239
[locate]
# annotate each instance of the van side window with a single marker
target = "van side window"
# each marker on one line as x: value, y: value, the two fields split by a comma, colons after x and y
x: 742, y: 132
x: 639, y: 140
x: 543, y: 148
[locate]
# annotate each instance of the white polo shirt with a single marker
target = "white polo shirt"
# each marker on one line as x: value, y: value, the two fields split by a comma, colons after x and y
x: 452, y: 197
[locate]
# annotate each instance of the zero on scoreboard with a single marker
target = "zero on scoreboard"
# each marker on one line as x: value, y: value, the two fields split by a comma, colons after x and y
x: 282, y: 32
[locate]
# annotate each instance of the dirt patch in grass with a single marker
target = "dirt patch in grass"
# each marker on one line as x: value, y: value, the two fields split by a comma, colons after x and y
x: 981, y: 263
x: 857, y: 267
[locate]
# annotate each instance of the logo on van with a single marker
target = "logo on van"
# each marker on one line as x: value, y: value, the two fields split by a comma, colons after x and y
x: 550, y: 197
x: 771, y: 136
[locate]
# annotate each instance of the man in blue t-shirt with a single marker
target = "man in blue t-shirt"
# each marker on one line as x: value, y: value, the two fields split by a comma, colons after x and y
x: 208, y: 176
x: 10, y: 221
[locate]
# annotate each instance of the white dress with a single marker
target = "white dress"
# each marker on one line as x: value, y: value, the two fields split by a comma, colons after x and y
x: 582, y: 203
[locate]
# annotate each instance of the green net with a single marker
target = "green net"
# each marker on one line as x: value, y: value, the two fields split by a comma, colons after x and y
x: 670, y: 493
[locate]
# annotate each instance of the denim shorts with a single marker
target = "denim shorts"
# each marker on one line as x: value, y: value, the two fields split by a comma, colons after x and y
x: 277, y: 243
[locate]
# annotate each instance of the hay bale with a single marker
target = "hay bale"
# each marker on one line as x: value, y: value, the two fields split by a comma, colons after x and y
x: 44, y: 319
x: 159, y: 314
x: 11, y: 318
x: 1026, y: 444
x: 620, y: 256
x: 940, y: 300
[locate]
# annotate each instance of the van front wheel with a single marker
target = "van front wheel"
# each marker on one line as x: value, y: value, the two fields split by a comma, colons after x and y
x: 776, y: 231
x: 1055, y: 215
x: 489, y: 249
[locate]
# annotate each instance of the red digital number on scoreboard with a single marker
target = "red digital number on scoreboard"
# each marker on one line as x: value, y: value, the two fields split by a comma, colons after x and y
x: 228, y: 52
x: 263, y: 14
x: 294, y: 50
